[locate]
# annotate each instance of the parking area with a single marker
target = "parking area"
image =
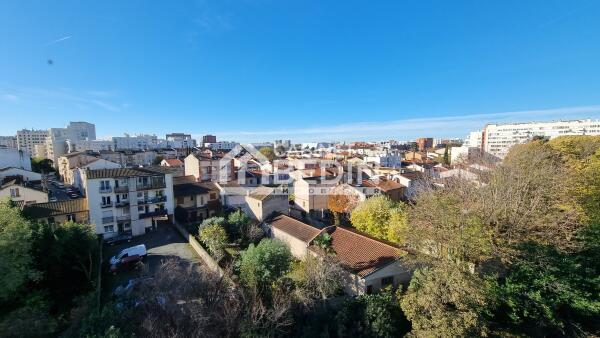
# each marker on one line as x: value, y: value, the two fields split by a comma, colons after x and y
x: 161, y: 244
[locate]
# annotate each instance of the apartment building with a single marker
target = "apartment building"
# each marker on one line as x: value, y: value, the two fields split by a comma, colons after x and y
x: 93, y: 145
x: 139, y: 142
x: 200, y: 200
x: 424, y: 143
x: 8, y: 142
x: 128, y: 199
x: 498, y: 138
x: 208, y: 139
x: 61, y: 141
x: 181, y: 140
x: 221, y: 145
x: 27, y: 139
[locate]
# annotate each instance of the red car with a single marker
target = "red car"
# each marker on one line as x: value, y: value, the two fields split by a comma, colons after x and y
x: 125, y: 264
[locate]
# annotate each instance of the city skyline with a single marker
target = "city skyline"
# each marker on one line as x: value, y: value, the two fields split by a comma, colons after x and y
x: 341, y: 68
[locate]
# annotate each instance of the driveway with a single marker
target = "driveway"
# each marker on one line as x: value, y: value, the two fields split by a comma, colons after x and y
x: 161, y: 244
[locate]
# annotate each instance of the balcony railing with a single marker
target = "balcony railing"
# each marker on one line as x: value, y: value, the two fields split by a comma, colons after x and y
x: 105, y: 190
x: 106, y: 205
x: 151, y: 185
x: 157, y: 199
x: 106, y: 220
x: 154, y: 213
x: 122, y: 204
x: 124, y: 218
x: 122, y: 189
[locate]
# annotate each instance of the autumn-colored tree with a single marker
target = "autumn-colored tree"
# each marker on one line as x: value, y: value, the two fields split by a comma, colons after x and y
x: 341, y: 203
x: 381, y: 217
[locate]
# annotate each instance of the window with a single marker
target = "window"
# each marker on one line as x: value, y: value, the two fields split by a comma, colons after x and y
x: 109, y: 228
x: 213, y: 196
x: 139, y: 194
x: 14, y: 192
x: 71, y: 218
x: 105, y: 200
x: 104, y: 185
x: 124, y: 196
x: 201, y: 200
x: 140, y: 208
x: 385, y: 281
x: 179, y: 200
x: 192, y: 198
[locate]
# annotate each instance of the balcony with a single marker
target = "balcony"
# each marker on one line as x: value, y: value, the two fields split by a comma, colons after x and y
x: 105, y: 190
x: 157, y: 199
x: 122, y: 204
x: 123, y: 218
x: 154, y: 214
x: 151, y: 185
x: 122, y: 189
x: 106, y: 220
x: 106, y: 205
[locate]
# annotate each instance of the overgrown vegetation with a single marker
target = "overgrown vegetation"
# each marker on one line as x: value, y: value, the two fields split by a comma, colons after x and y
x: 46, y: 269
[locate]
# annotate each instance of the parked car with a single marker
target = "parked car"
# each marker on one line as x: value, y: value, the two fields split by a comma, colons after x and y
x: 122, y: 238
x: 139, y: 250
x: 126, y: 264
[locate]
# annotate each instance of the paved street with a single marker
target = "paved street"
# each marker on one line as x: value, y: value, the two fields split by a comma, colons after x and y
x: 164, y: 243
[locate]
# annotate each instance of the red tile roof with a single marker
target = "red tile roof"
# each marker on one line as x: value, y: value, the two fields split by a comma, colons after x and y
x: 293, y: 227
x: 174, y: 162
x: 360, y: 254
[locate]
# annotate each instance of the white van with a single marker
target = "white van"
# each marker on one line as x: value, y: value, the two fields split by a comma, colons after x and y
x: 139, y: 250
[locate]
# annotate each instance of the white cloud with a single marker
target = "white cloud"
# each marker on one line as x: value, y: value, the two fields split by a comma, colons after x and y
x: 57, y: 40
x: 9, y: 97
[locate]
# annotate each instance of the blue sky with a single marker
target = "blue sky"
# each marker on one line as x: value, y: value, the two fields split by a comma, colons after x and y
x: 255, y: 70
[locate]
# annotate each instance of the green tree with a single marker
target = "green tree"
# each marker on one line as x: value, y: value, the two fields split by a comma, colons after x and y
x: 377, y: 315
x: 42, y: 165
x: 548, y: 293
x: 65, y: 252
x: 157, y: 160
x: 15, y: 252
x: 380, y: 217
x: 445, y: 301
x: 447, y: 155
x: 215, y: 239
x: 268, y: 152
x: 264, y: 263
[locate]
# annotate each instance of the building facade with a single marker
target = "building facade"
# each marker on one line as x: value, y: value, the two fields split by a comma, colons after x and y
x: 128, y: 200
x: 498, y: 138
x: 27, y: 139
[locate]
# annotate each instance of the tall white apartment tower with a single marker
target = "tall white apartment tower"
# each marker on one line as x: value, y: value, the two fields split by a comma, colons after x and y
x: 56, y: 142
x: 28, y: 139
x: 498, y: 138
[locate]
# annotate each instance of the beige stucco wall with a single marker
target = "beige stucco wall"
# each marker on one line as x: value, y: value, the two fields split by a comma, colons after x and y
x: 297, y: 247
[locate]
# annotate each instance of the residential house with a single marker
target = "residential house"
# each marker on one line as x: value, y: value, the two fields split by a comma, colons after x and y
x: 26, y: 175
x: 370, y: 264
x: 69, y: 163
x: 264, y: 201
x: 74, y: 210
x: 390, y: 188
x: 172, y: 162
x: 17, y: 189
x: 10, y: 157
x: 205, y: 168
x: 200, y: 200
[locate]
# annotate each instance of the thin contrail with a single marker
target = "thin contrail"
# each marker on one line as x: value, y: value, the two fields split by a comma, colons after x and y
x: 58, y: 40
